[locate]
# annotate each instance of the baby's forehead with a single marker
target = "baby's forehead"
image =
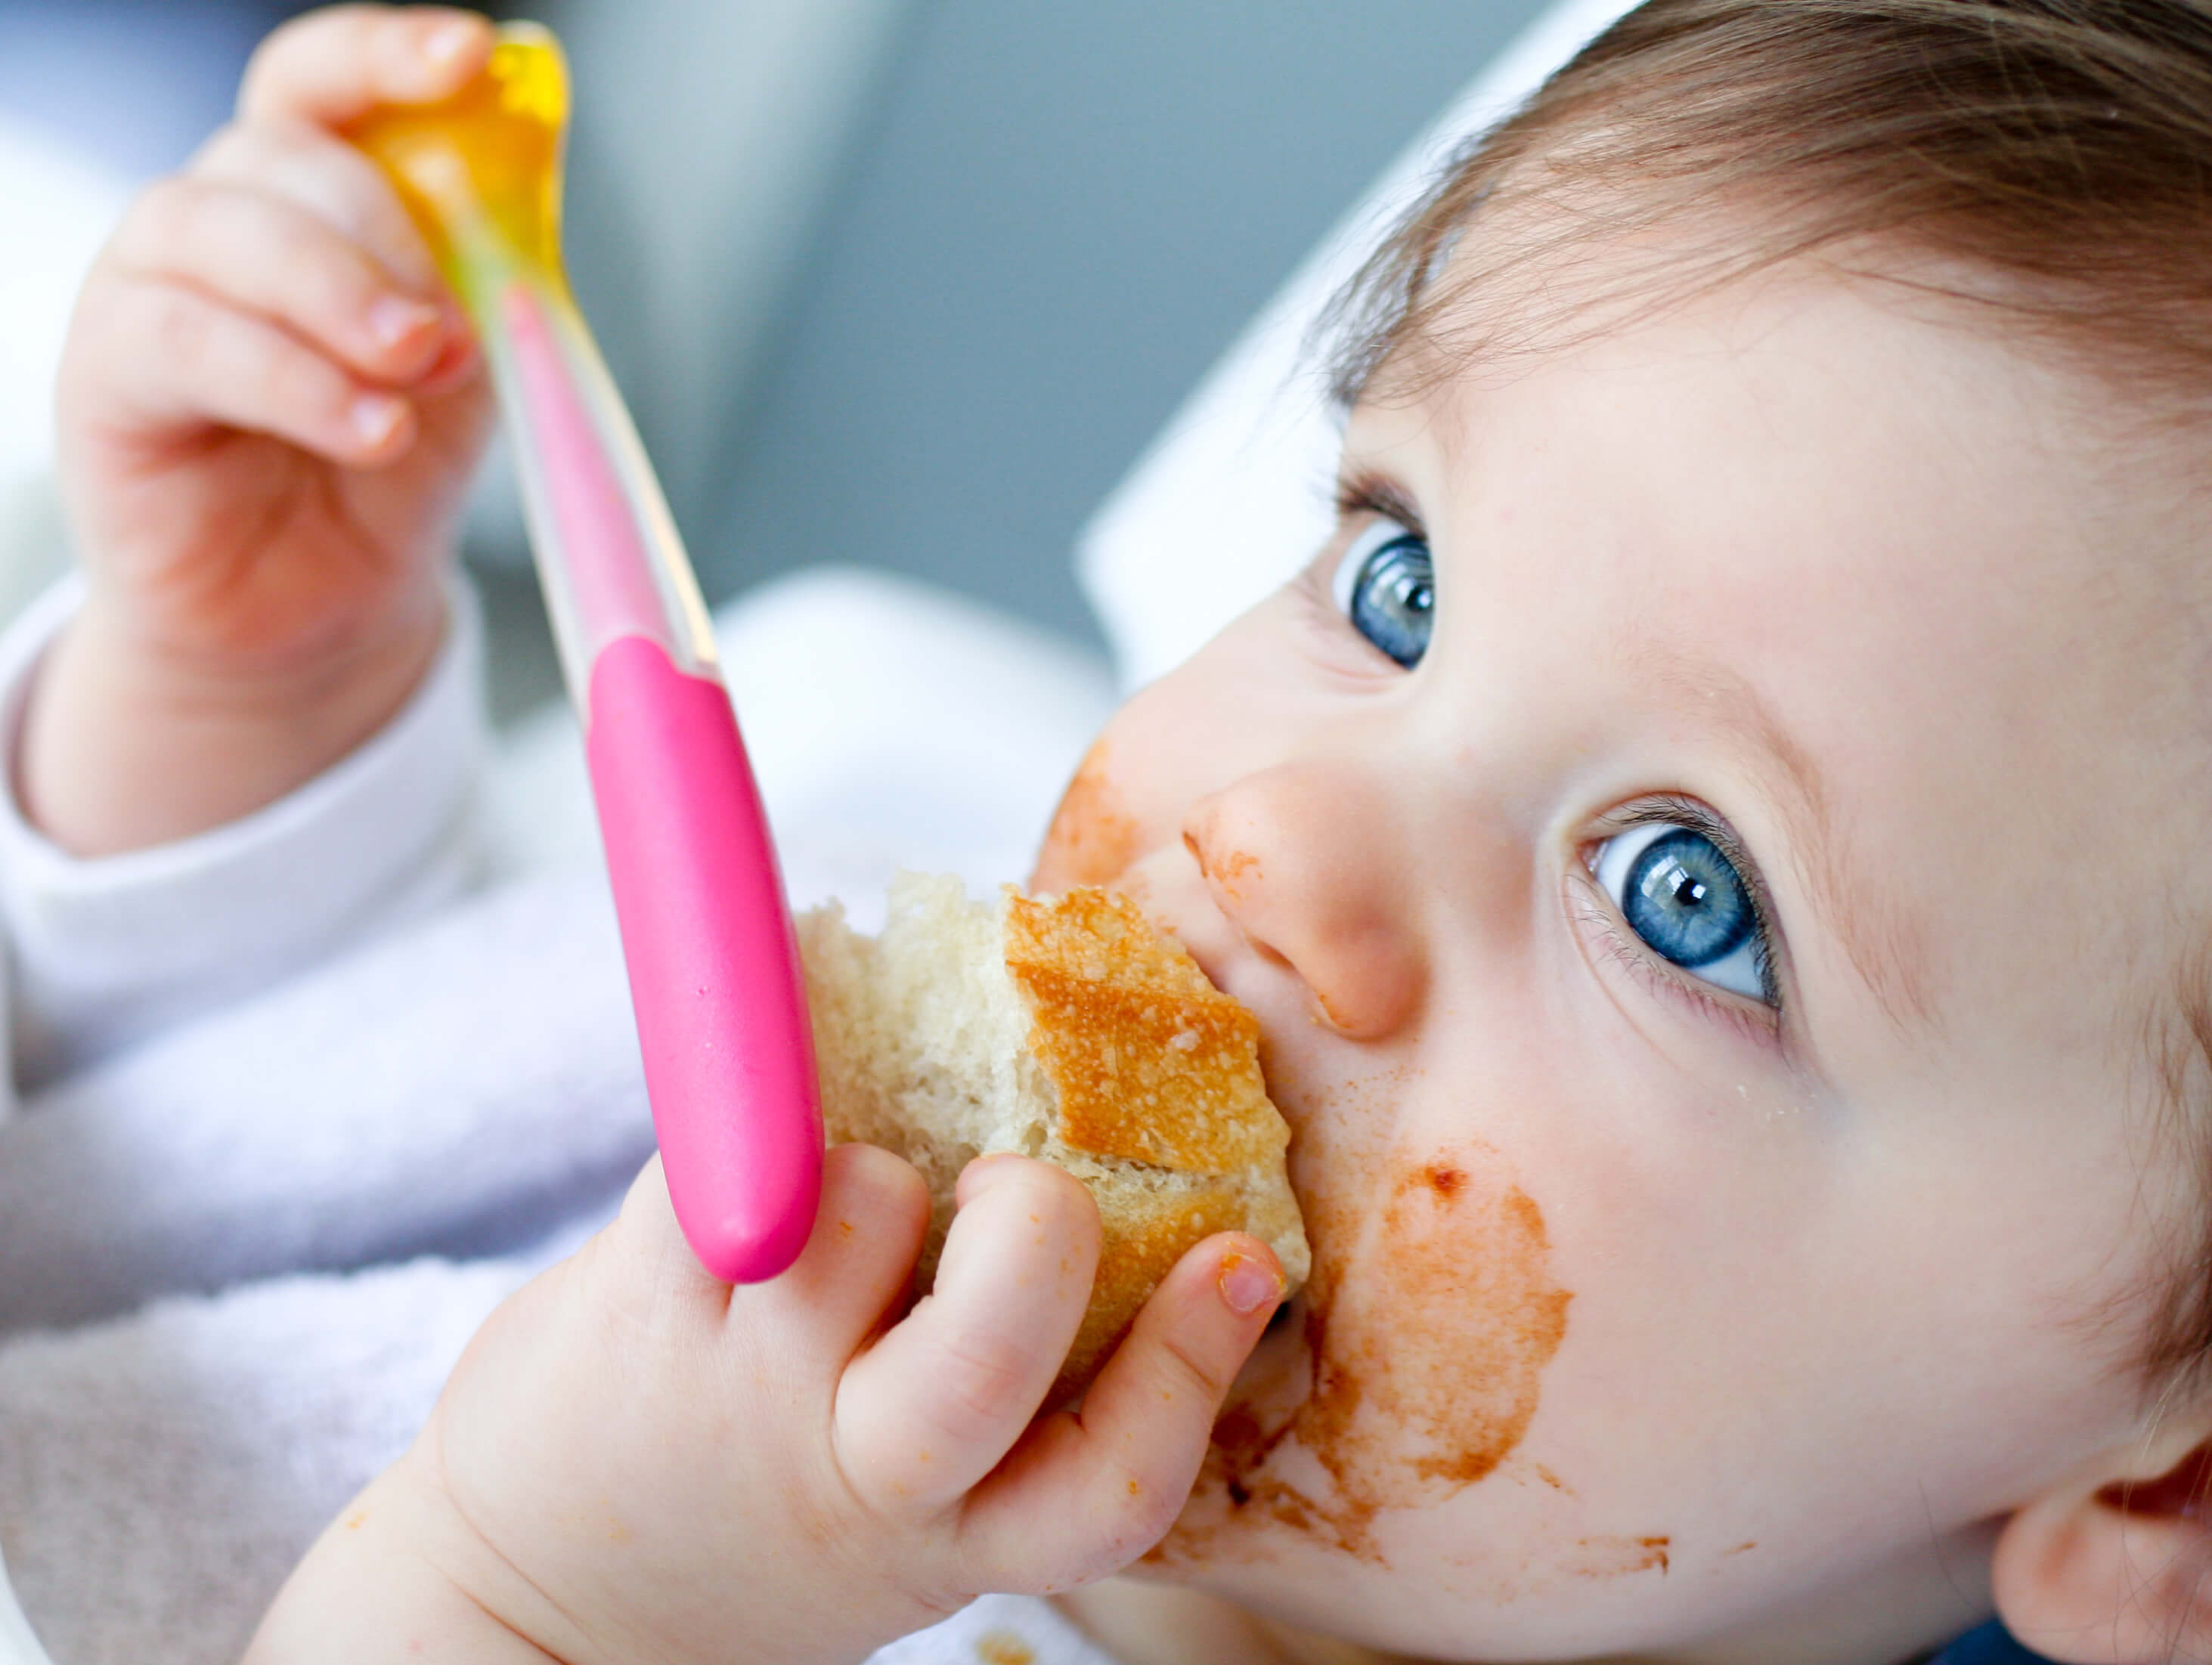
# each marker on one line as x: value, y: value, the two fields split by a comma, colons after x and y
x: 1853, y: 415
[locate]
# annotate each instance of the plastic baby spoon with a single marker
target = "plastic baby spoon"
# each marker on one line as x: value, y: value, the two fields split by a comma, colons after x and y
x: 713, y: 971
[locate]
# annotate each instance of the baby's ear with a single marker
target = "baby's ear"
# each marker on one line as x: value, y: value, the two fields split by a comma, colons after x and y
x: 2115, y: 1569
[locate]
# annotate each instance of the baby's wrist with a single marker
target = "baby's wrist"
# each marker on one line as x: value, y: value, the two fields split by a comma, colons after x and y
x: 263, y: 664
x: 395, y: 1578
x: 127, y: 743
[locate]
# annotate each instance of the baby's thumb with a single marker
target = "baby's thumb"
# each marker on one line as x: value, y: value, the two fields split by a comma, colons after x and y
x: 1085, y: 1494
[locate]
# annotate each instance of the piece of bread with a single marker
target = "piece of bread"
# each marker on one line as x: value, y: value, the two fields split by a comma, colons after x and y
x: 1069, y: 1029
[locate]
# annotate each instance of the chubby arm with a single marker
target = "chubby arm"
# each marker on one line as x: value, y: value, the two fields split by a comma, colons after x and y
x: 634, y: 1462
x: 391, y: 1580
x: 124, y: 748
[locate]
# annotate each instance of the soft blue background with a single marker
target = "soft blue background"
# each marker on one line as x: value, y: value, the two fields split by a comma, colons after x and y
x: 1047, y: 222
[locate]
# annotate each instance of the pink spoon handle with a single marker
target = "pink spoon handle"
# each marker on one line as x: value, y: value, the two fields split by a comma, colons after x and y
x: 721, y: 1013
x: 714, y: 972
x: 715, y: 976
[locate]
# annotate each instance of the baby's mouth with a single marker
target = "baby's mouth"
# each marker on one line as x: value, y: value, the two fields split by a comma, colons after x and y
x: 1278, y: 1366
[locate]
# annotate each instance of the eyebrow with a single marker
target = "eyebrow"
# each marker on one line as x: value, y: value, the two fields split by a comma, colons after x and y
x: 1358, y: 488
x: 1882, y: 949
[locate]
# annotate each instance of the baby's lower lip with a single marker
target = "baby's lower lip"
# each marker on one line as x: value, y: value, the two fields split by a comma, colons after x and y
x: 1277, y: 1345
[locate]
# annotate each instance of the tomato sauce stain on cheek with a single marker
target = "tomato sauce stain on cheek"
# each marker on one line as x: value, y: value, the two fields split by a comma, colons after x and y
x: 1431, y: 1313
x: 1093, y: 838
x: 1610, y: 1558
x: 1233, y: 872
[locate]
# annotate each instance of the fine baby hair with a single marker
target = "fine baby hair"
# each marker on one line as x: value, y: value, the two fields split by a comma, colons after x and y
x: 2048, y: 158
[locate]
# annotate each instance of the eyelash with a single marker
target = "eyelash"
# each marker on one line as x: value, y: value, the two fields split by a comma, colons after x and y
x: 1763, y: 1024
x: 1360, y: 495
x: 1368, y: 494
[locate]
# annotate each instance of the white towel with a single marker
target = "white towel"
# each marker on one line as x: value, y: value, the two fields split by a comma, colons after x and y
x: 159, y: 1475
x: 468, y: 1088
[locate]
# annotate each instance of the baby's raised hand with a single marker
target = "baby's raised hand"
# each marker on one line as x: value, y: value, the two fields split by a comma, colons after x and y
x: 633, y: 1461
x: 269, y: 408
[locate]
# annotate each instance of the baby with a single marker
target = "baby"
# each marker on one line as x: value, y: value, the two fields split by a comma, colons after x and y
x: 1710, y: 843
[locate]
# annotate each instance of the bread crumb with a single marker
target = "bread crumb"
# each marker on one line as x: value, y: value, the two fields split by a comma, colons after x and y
x: 1004, y: 1648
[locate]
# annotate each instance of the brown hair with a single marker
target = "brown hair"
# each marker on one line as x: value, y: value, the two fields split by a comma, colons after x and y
x: 2058, y: 150
x: 2054, y: 158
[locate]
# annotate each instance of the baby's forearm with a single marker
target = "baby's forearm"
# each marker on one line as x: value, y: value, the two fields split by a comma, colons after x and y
x: 381, y: 1588
x: 122, y: 749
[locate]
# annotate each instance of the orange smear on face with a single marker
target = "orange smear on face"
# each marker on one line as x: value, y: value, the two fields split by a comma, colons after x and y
x: 1429, y: 1318
x: 1093, y: 838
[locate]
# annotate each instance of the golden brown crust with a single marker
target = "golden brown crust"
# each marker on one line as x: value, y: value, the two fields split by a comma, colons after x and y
x: 1152, y: 1063
x: 1138, y: 1247
x: 1160, y: 1102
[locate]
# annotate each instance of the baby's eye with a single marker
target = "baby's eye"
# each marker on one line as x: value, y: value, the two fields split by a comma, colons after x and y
x: 1687, y: 902
x: 1387, y: 587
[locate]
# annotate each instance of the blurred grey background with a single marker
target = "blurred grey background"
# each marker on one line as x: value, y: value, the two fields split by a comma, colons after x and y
x: 908, y: 282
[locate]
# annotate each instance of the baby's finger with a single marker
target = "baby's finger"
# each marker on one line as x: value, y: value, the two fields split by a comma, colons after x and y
x: 857, y: 1261
x: 332, y: 66
x: 173, y: 358
x: 646, y: 1250
x: 260, y: 254
x: 931, y: 1408
x: 332, y: 180
x: 1086, y: 1493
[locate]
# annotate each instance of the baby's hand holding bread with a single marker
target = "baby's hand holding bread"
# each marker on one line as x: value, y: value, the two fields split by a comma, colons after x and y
x: 1068, y: 1028
x: 803, y: 1470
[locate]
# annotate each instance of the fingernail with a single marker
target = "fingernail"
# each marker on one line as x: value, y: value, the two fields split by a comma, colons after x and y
x: 990, y: 1162
x: 1248, y: 1284
x: 374, y: 415
x: 393, y: 318
x: 448, y: 42
x: 453, y: 358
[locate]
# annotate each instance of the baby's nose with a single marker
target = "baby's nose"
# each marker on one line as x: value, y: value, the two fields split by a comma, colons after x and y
x: 1305, y: 865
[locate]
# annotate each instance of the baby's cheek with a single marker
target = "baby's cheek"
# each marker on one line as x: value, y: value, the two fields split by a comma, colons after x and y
x: 1429, y: 1318
x: 1432, y: 1350
x: 1094, y: 838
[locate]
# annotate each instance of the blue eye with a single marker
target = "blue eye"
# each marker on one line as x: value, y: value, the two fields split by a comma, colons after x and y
x: 1387, y: 587
x: 1687, y: 901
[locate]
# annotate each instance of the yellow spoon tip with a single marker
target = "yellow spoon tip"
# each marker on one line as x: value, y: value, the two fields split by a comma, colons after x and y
x: 480, y: 171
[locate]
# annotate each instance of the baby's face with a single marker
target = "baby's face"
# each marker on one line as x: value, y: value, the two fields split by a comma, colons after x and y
x: 1705, y: 982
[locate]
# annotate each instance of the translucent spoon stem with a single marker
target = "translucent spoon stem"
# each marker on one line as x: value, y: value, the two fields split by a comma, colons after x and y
x: 608, y: 554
